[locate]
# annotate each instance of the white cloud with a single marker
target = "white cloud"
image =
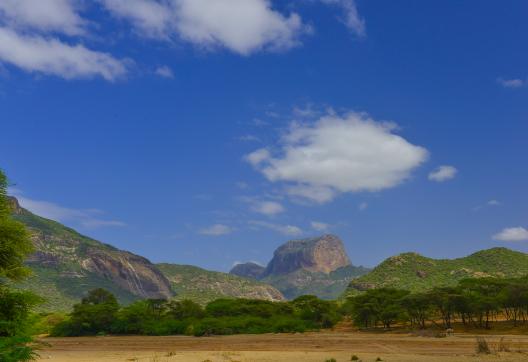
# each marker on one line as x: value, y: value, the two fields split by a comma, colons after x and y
x: 165, y: 72
x: 443, y: 173
x: 318, y: 194
x: 84, y: 217
x: 512, y: 234
x: 43, y: 15
x: 289, y: 230
x: 242, y: 26
x: 258, y: 156
x: 352, y: 19
x: 216, y: 230
x: 268, y: 208
x: 336, y: 154
x: 494, y: 203
x: 150, y: 18
x: 363, y: 206
x: 319, y: 226
x: 53, y: 57
x: 511, y: 83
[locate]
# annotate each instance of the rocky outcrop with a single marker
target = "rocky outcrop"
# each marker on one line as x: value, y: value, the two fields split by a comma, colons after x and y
x: 318, y: 266
x: 130, y: 272
x: 323, y: 254
x: 248, y: 270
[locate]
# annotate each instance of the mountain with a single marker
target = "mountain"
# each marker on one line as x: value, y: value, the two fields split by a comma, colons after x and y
x: 67, y: 264
x: 415, y: 272
x: 323, y: 254
x: 318, y: 266
x: 200, y: 285
x: 248, y: 270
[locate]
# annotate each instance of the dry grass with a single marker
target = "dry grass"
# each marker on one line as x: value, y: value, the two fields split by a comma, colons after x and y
x: 308, y: 347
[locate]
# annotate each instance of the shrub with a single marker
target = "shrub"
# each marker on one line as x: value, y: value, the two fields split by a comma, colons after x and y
x: 482, y: 346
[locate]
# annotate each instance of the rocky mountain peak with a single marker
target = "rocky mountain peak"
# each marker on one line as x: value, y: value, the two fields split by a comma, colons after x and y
x: 323, y: 254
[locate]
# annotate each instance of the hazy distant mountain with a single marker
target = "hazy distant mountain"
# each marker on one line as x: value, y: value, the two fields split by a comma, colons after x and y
x: 200, y: 285
x: 248, y: 270
x: 318, y: 266
x: 418, y: 273
x: 67, y: 264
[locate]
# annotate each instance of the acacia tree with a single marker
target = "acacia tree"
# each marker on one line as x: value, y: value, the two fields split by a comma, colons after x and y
x: 418, y: 308
x: 15, y: 306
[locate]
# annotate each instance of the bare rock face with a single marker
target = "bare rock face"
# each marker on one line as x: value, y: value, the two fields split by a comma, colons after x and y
x: 130, y: 272
x: 324, y: 254
x: 248, y: 270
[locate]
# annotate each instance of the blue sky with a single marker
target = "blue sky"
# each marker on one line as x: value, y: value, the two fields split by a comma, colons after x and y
x: 208, y: 132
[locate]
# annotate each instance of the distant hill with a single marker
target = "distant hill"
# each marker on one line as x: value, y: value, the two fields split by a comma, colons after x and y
x: 415, y: 272
x: 248, y: 270
x: 318, y: 266
x: 202, y: 286
x: 67, y: 264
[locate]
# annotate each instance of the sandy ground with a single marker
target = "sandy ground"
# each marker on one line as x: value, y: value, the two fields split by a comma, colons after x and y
x: 316, y: 347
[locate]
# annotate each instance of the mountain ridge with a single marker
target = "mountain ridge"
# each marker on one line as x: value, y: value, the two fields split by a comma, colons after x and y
x: 67, y: 264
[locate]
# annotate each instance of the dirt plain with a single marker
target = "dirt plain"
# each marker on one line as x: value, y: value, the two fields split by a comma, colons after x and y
x: 316, y: 347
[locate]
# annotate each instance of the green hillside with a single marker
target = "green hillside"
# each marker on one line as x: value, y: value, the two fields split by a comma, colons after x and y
x: 415, y: 272
x: 202, y: 286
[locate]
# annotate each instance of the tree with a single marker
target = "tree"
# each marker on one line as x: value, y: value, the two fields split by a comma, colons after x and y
x: 418, y: 308
x: 322, y: 312
x: 378, y: 305
x: 15, y: 306
x: 445, y: 301
x: 95, y: 314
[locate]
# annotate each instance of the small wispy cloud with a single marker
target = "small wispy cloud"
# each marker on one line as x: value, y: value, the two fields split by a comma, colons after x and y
x: 443, y: 173
x: 511, y: 83
x: 216, y: 230
x: 319, y: 226
x: 363, y: 206
x: 164, y: 72
x: 289, y: 230
x: 268, y: 208
x: 490, y: 203
x: 88, y: 218
x: 512, y: 234
x: 249, y: 138
x: 351, y: 19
